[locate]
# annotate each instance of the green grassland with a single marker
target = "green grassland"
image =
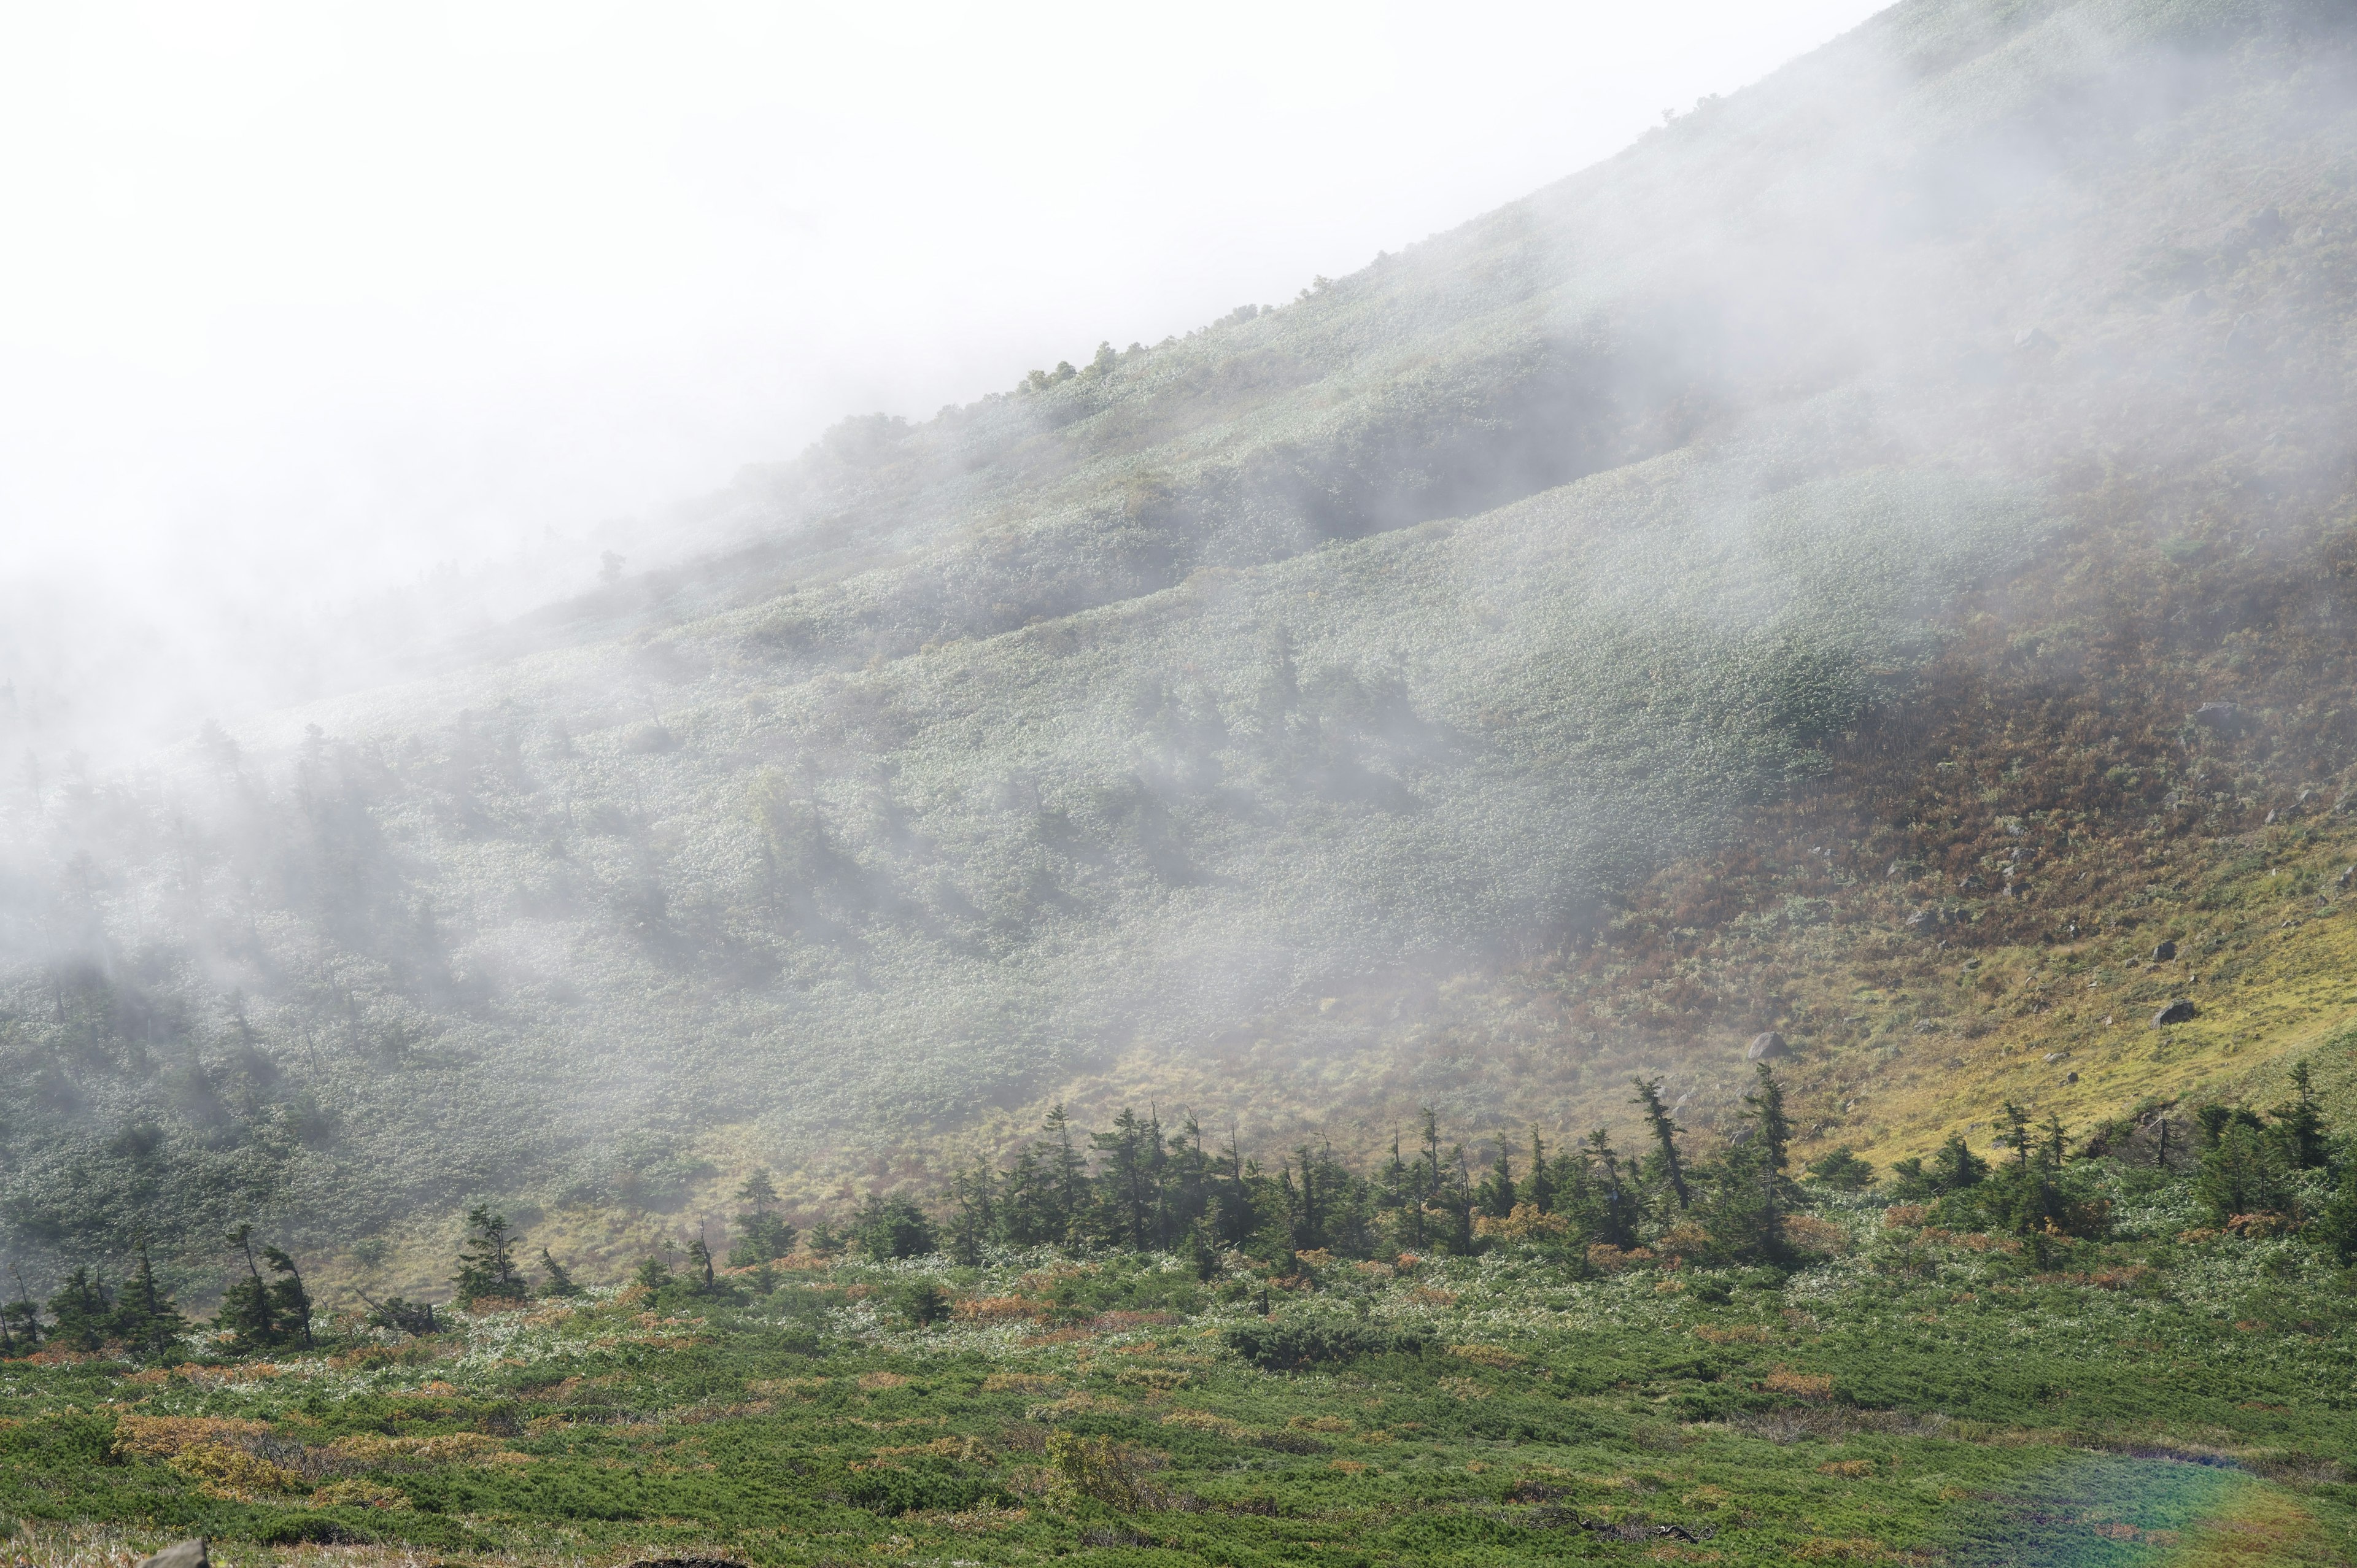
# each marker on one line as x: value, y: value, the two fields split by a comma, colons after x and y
x: 2166, y: 1395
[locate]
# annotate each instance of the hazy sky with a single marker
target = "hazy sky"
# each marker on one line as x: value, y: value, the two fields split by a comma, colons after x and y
x: 297, y: 298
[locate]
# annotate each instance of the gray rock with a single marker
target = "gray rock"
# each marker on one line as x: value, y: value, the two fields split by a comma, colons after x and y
x: 2034, y: 340
x: 1770, y: 1046
x: 189, y: 1554
x: 2198, y: 303
x: 2164, y: 952
x: 2177, y: 1012
x: 2218, y: 715
x: 2070, y: 1077
x: 2268, y: 227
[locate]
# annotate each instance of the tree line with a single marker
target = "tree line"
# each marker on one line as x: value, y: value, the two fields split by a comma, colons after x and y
x: 1143, y: 1187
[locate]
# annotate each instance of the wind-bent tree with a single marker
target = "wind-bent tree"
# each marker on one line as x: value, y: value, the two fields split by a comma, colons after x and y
x: 1665, y: 1137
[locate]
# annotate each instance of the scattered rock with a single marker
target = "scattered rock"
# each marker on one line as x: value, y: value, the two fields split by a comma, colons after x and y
x: 2053, y: 1057
x: 1770, y: 1046
x: 2245, y: 337
x: 2034, y: 340
x: 2177, y: 1012
x: 2266, y: 227
x: 189, y: 1554
x: 2164, y: 952
x: 2271, y: 818
x: 2348, y: 874
x: 2218, y: 715
x: 2198, y: 304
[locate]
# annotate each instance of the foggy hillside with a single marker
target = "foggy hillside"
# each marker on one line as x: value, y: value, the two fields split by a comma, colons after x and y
x: 1190, y: 719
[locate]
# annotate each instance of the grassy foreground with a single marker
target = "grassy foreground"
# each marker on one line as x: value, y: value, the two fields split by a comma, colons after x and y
x: 2170, y: 1395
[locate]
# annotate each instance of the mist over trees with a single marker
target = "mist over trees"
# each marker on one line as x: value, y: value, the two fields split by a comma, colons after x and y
x: 1408, y: 626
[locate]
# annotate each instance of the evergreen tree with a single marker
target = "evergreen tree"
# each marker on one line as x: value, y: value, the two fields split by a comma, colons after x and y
x: 1069, y: 1174
x: 2336, y: 1228
x: 2300, y: 1125
x: 20, y: 1320
x: 975, y: 1218
x: 1612, y: 1215
x: 1129, y: 1205
x: 1665, y: 1138
x: 1203, y: 1253
x: 2243, y: 1171
x: 1955, y: 1168
x: 1236, y: 1216
x: 1539, y: 1191
x: 81, y: 1312
x: 559, y: 1283
x: 145, y: 1317
x: 413, y: 1317
x: 924, y: 1303
x: 2213, y: 1120
x: 247, y: 1310
x: 894, y: 1228
x: 1753, y: 1213
x: 1497, y: 1195
x: 1842, y: 1170
x: 762, y: 1235
x: 290, y: 1303
x: 487, y: 1270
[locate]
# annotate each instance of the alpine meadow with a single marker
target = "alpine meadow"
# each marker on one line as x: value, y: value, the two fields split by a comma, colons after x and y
x: 1672, y: 878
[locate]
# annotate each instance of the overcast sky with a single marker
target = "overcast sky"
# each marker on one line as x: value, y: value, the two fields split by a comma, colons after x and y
x: 300, y: 298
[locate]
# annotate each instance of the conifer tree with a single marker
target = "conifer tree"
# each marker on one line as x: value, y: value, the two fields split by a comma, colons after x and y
x: 21, y: 1317
x: 81, y: 1312
x: 1539, y: 1190
x: 145, y: 1317
x: 2300, y: 1125
x: 1498, y: 1194
x: 487, y: 1270
x: 290, y: 1303
x: 1614, y: 1218
x: 1665, y: 1138
x: 1071, y: 1174
x: 247, y: 1311
x: 559, y: 1283
x: 1772, y: 1140
x: 2336, y: 1228
x: 1203, y: 1253
x: 762, y: 1235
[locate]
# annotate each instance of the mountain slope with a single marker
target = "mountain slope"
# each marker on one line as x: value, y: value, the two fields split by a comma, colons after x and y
x: 1493, y: 673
